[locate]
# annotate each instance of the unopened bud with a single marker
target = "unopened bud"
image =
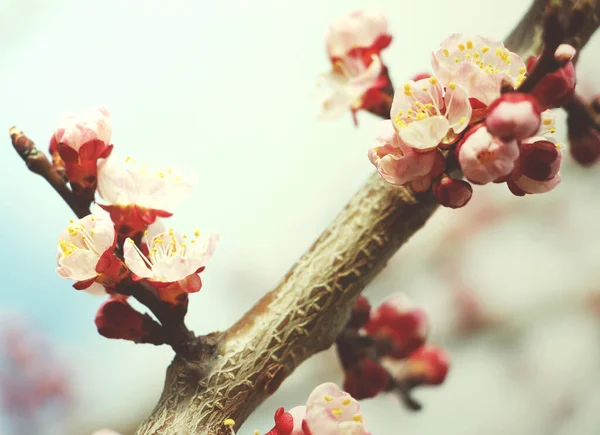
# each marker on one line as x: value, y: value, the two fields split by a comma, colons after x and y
x: 399, y: 322
x: 366, y: 379
x: 360, y: 313
x: 515, y: 115
x: 117, y: 319
x: 540, y: 159
x: 452, y: 193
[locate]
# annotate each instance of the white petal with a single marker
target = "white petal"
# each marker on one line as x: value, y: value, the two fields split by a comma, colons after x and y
x: 134, y: 260
x: 79, y: 266
x: 425, y: 134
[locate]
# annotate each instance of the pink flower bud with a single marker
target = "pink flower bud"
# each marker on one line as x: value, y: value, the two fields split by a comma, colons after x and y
x: 564, y: 53
x: 284, y: 423
x: 484, y: 158
x: 360, y: 313
x: 514, y: 115
x: 452, y: 193
x: 557, y: 88
x: 540, y: 159
x: 429, y: 364
x: 117, y: 319
x: 397, y: 321
x: 80, y: 140
x: 525, y: 185
x: 366, y: 379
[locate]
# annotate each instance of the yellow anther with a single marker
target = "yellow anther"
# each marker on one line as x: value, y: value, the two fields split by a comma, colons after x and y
x: 452, y: 85
x: 357, y: 418
x: 470, y: 45
x: 161, y: 174
x: 421, y: 116
x: 446, y: 52
x: 185, y: 236
x: 522, y: 70
x: 418, y: 103
x: 433, y: 80
x: 552, y: 130
x: 407, y: 90
x: 183, y: 245
x: 467, y: 56
x: 485, y: 49
x: 71, y: 221
x: 400, y: 113
x: 196, y: 233
x: 177, y: 179
x: 461, y: 47
x: 425, y: 88
x: 229, y: 422
x: 410, y: 111
x: 132, y: 242
x: 498, y: 51
x: 256, y: 432
x: 328, y: 398
x: 337, y: 412
x: 456, y: 59
x: 476, y: 55
x: 127, y: 159
x: 145, y: 232
x: 193, y: 240
x: 347, y: 401
x: 547, y: 121
x: 462, y: 120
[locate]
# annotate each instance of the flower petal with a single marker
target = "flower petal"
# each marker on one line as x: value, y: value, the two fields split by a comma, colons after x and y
x: 425, y: 134
x: 134, y: 260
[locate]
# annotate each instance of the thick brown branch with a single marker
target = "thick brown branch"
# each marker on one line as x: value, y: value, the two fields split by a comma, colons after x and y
x: 302, y: 316
x: 38, y: 163
x: 306, y: 311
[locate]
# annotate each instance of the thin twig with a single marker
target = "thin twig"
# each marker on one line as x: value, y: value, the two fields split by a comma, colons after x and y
x: 38, y: 163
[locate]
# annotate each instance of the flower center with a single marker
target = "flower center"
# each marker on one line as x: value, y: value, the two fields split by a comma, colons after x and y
x: 86, y: 239
x: 496, y: 62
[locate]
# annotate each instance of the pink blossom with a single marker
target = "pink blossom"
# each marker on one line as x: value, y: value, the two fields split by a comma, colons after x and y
x: 78, y: 129
x: 425, y: 116
x: 81, y: 247
x: 363, y: 29
x: 484, y: 158
x: 400, y: 164
x: 171, y: 258
x: 514, y: 115
x: 478, y: 64
x: 348, y: 83
x: 330, y: 411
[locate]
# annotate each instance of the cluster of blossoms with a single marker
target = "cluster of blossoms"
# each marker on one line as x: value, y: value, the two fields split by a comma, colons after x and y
x: 358, y: 79
x: 123, y: 241
x: 386, y: 347
x: 468, y: 115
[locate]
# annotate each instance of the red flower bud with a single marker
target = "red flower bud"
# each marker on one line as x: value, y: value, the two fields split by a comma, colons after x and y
x: 452, y: 193
x: 429, y: 365
x: 557, y: 88
x: 360, y: 313
x: 540, y: 160
x: 584, y: 140
x: 117, y: 319
x: 366, y: 379
x: 404, y: 326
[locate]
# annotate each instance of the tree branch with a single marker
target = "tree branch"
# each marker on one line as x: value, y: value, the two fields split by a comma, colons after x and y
x: 38, y: 163
x: 307, y: 310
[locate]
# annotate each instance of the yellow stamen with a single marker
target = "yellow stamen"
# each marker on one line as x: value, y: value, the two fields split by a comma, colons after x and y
x: 337, y: 412
x: 347, y: 401
x: 328, y: 398
x: 229, y: 422
x: 470, y: 45
x: 485, y: 49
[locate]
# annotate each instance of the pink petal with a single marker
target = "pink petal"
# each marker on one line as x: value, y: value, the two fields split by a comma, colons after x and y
x: 459, y: 112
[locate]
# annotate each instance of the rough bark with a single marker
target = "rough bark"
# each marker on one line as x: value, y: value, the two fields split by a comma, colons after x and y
x: 308, y: 308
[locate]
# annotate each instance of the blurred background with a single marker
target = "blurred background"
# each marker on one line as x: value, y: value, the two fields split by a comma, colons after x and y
x: 226, y: 90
